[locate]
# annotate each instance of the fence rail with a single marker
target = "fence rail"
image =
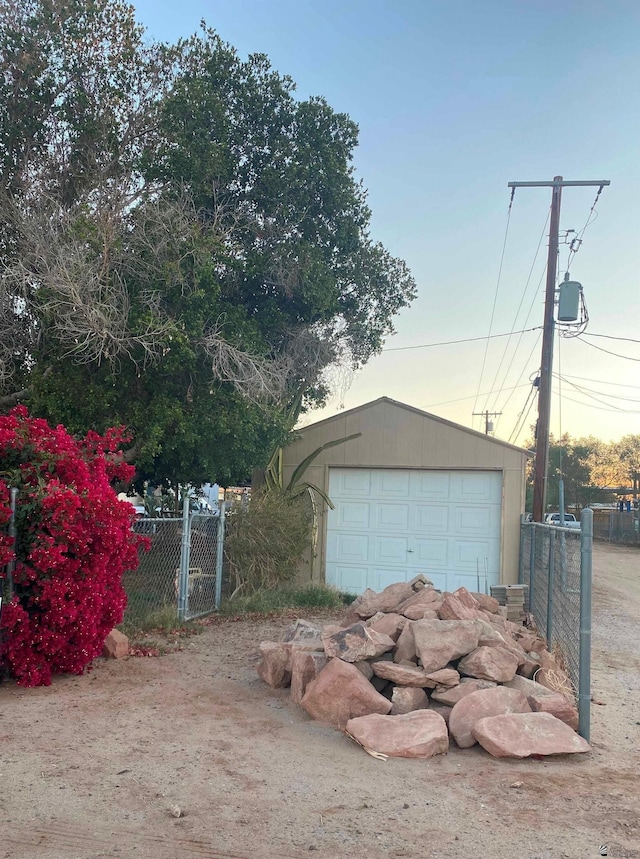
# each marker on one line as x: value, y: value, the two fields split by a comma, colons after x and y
x: 555, y: 564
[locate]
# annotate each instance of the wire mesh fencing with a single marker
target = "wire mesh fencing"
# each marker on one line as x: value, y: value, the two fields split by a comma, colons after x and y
x: 179, y: 576
x: 555, y: 564
x: 616, y: 526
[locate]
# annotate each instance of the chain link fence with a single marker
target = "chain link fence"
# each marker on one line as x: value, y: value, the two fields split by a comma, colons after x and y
x: 555, y: 565
x: 616, y: 526
x: 180, y: 576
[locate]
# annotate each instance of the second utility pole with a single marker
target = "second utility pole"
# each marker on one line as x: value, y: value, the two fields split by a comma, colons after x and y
x: 544, y: 394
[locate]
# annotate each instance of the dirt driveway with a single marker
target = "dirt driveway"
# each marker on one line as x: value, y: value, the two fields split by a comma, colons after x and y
x: 97, y: 766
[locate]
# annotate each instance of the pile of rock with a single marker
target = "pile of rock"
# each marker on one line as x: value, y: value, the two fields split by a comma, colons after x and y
x: 410, y: 666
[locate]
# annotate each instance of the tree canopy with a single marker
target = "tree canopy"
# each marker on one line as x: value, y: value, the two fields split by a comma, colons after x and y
x: 185, y: 247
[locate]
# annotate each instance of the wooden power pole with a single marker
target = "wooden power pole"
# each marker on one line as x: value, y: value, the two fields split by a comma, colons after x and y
x: 546, y: 364
x: 486, y: 415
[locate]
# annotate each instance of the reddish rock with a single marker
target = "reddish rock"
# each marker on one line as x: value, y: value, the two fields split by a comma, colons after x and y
x: 390, y: 624
x: 305, y: 667
x: 529, y: 667
x: 467, y: 685
x: 440, y: 709
x: 116, y: 645
x: 559, y: 706
x: 274, y: 666
x: 429, y: 615
x: 487, y: 603
x: 438, y: 642
x: 520, y: 735
x: 406, y: 646
x: 427, y: 599
x: 453, y: 608
x: 543, y: 700
x: 356, y: 642
x: 466, y: 598
x: 419, y: 734
x: 365, y: 668
x: 368, y: 603
x: 340, y: 693
x: 445, y: 678
x: 478, y: 705
x: 302, y: 630
x: 406, y: 674
x: 490, y: 663
x: 406, y: 699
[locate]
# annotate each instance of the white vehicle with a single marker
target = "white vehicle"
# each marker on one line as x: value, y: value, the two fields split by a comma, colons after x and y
x: 570, y: 520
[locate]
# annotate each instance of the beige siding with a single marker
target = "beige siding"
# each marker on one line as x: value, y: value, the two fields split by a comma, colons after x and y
x: 399, y: 436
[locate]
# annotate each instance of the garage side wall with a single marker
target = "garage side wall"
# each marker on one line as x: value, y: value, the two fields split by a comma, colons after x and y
x: 395, y: 436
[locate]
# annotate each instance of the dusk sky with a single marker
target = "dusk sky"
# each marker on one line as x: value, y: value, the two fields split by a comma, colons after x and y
x: 453, y: 101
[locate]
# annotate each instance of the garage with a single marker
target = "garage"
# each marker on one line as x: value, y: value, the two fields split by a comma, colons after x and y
x: 412, y: 493
x: 390, y: 524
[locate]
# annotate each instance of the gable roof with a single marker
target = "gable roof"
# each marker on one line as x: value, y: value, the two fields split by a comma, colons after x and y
x: 422, y: 413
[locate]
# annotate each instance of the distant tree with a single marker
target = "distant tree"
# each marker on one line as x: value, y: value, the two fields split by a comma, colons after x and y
x: 184, y: 246
x: 628, y: 449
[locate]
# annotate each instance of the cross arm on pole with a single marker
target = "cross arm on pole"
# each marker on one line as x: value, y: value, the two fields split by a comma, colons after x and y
x: 562, y: 183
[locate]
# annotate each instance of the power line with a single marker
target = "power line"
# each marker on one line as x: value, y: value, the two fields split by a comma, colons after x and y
x: 522, y: 372
x: 603, y: 402
x: 495, y: 297
x: 610, y: 337
x: 600, y: 408
x: 602, y: 382
x: 524, y: 292
x: 608, y: 352
x: 602, y: 393
x: 460, y: 399
x: 465, y: 340
x: 574, y: 247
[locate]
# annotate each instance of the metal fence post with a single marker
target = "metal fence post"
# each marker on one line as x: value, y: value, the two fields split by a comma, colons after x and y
x: 220, y: 555
x: 550, y: 584
x: 523, y: 531
x: 12, y: 533
x: 532, y: 566
x: 183, y: 578
x: 584, y: 683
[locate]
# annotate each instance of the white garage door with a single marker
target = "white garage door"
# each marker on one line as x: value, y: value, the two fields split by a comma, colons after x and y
x: 389, y: 525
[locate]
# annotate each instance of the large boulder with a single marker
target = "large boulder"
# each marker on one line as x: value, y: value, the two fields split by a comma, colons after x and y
x: 427, y: 599
x: 390, y: 624
x: 445, y: 678
x: 486, y: 602
x: 520, y: 735
x: 305, y: 667
x: 402, y: 674
x: 302, y: 630
x: 419, y: 734
x: 467, y: 685
x: 438, y: 642
x: 274, y: 667
x: 340, y: 692
x: 370, y: 602
x: 490, y: 663
x: 543, y: 700
x: 485, y: 702
x: 356, y: 642
x: 453, y: 608
x: 405, y: 650
x: 406, y: 699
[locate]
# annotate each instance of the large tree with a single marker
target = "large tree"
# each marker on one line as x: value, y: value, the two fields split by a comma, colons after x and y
x: 185, y: 246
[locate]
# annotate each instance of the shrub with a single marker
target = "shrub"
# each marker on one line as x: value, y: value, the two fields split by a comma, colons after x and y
x: 265, y: 541
x: 74, y: 541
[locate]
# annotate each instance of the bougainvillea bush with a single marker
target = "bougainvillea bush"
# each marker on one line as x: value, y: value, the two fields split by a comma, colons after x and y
x: 74, y: 542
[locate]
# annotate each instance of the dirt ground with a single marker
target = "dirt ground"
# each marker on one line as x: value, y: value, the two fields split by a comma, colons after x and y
x: 101, y: 765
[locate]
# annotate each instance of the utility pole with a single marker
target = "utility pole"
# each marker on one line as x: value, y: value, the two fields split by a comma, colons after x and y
x: 486, y: 415
x: 544, y: 391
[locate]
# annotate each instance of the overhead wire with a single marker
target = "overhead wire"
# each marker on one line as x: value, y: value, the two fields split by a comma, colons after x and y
x: 523, y: 415
x: 463, y: 340
x: 495, y: 297
x: 506, y: 348
x: 591, y: 396
x: 575, y: 243
x: 608, y: 351
x: 601, y: 409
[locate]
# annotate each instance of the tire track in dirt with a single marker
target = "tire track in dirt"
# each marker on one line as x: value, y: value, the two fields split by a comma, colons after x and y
x: 69, y: 841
